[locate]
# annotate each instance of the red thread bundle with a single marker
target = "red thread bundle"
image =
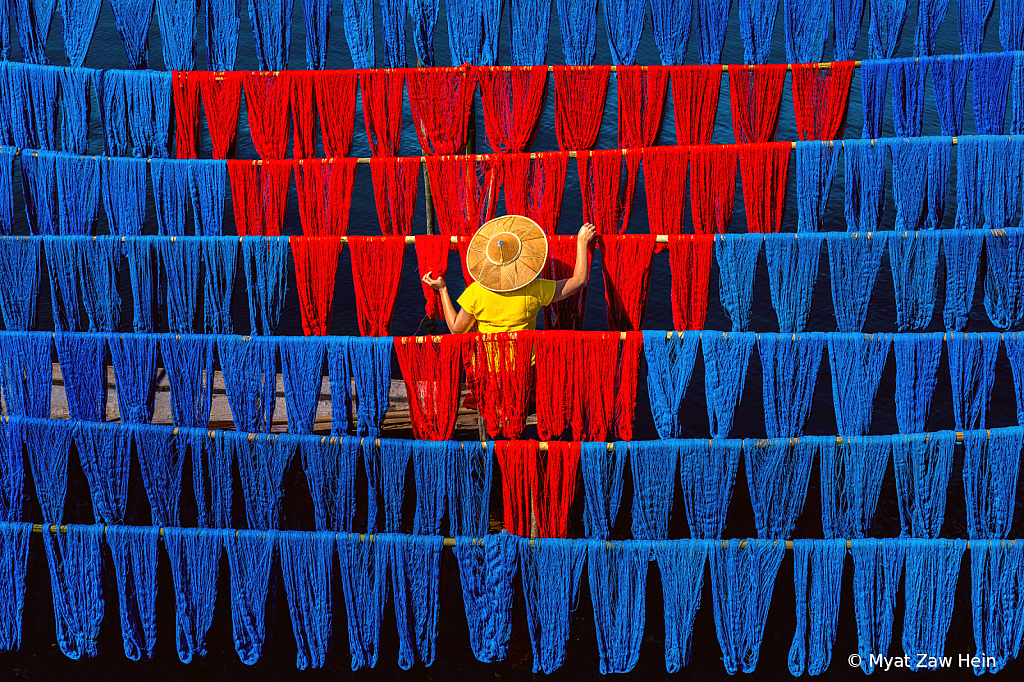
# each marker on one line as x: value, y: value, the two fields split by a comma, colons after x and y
x: 712, y: 188
x: 764, y: 168
x: 512, y: 100
x: 222, y: 93
x: 382, y: 110
x: 259, y: 195
x: 579, y: 105
x: 665, y: 187
x: 431, y: 371
x: 316, y: 265
x: 440, y: 100
x: 690, y: 260
x: 556, y: 362
x: 568, y: 313
x: 641, y: 95
x: 185, y: 87
x: 335, y: 93
x: 543, y: 483
x: 324, y: 188
x: 465, y: 191
x: 755, y: 93
x: 607, y: 195
x: 376, y: 278
x: 395, y: 183
x: 432, y: 257
x: 498, y: 369
x: 534, y: 187
x: 301, y: 100
x: 695, y: 100
x: 626, y: 266
x: 819, y: 99
x: 267, y: 97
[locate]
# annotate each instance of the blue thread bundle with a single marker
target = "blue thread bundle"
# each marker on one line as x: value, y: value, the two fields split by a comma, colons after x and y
x: 851, y: 480
x: 914, y: 260
x: 469, y: 490
x: 874, y: 82
x: 99, y: 260
x: 618, y: 587
x: 1004, y: 278
x: 78, y: 24
x: 877, y: 567
x: 970, y: 169
x: 221, y: 35
x: 932, y: 572
x: 431, y: 462
x: 864, y: 173
x: 20, y: 272
x: 266, y: 276
x: 220, y: 257
x: 161, y: 460
x: 949, y: 83
x: 302, y: 368
x: 963, y: 254
x: 671, y: 20
x: 886, y: 27
x: 83, y: 365
x: 854, y: 259
x: 848, y: 20
x: 790, y: 372
x: 792, y: 273
x: 386, y: 465
x: 341, y: 383
x: 212, y: 456
x: 32, y: 21
x: 917, y: 364
x: 424, y: 20
x: 806, y: 25
x: 132, y: 18
x: 392, y: 19
x: 737, y: 259
x: 170, y: 190
x: 972, y: 373
x: 995, y: 574
x: 908, y: 80
x: 317, y: 14
x: 271, y: 22
x: 816, y: 164
x: 681, y: 563
x: 624, y: 22
x: 26, y: 374
x: 250, y: 556
x: 143, y: 276
x: 757, y: 23
x: 330, y: 468
x: 206, y: 180
x: 577, y: 21
x: 75, y: 107
x: 725, y: 370
x: 602, y: 487
x: 76, y: 572
x: 712, y: 22
x: 551, y: 574
x: 370, y: 360
x: 923, y: 464
x: 818, y: 577
x: 177, y: 20
x: 134, y: 550
x: 920, y: 197
x: 991, y: 467
x: 181, y: 259
x: 1001, y: 180
x: 653, y: 464
x: 486, y: 570
x: 38, y: 185
x: 12, y: 470
x: 195, y: 562
x: 669, y: 366
x: 134, y: 359
x: 992, y: 73
x: 778, y: 472
x: 105, y: 452
x: 857, y: 362
x: 262, y: 463
x: 249, y: 365
x: 189, y: 364
x: 973, y: 22
x: 707, y: 476
x: 78, y: 193
x: 414, y: 564
x: 930, y: 15
x: 358, y: 16
x: 13, y: 567
x: 1014, y: 353
x: 124, y: 195
x: 7, y: 155
x: 62, y: 264
x: 363, y: 579
x: 306, y: 563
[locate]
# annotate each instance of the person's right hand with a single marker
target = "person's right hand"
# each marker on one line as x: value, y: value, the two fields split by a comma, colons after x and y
x: 435, y: 284
x: 586, y: 234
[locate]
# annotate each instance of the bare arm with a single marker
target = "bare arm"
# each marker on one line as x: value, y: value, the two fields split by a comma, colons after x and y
x: 564, y: 288
x: 458, y: 323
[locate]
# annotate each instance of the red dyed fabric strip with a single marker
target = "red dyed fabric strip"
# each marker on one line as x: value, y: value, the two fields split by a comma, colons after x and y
x: 712, y: 188
x: 665, y: 187
x: 222, y: 94
x: 580, y: 93
x: 695, y: 100
x: 335, y: 93
x: 534, y: 187
x: 431, y: 372
x: 690, y: 260
x: 569, y: 313
x: 820, y: 98
x: 382, y: 110
x: 395, y: 183
x: 316, y: 265
x: 626, y: 266
x: 440, y: 100
x: 512, y: 100
x: 325, y: 195
x: 641, y: 95
x: 608, y: 191
x: 185, y: 87
x: 259, y: 195
x: 764, y: 168
x: 266, y: 102
x: 498, y: 369
x: 755, y: 93
x: 432, y: 257
x: 376, y: 278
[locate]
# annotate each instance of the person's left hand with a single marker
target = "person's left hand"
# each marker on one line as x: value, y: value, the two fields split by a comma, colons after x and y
x: 435, y: 284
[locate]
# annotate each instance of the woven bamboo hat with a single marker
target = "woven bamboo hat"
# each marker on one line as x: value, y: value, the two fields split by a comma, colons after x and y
x: 507, y: 253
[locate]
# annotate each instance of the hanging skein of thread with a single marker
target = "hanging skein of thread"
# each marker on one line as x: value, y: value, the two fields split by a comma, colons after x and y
x: 932, y: 572
x: 363, y: 579
x: 221, y: 93
x: 266, y: 274
x: 267, y: 97
x: 177, y: 24
x: 626, y: 268
x: 737, y: 257
x: 62, y: 265
x: 520, y: 484
x: 78, y: 193
x: 577, y: 23
x: 567, y: 314
x: 132, y: 19
x: 20, y: 272
x: 213, y: 455
x: 302, y: 369
x: 671, y: 21
x: 920, y: 197
x: 712, y: 22
x: 641, y: 95
x: 551, y: 572
x: 170, y: 192
x: 990, y: 470
x: 864, y: 173
x: 46, y: 443
x: 653, y: 464
x: 602, y: 470
x: 764, y: 169
x: 469, y: 490
x: 466, y: 192
x: 857, y: 362
x: 262, y: 463
x: 820, y: 98
x: 431, y: 462
x: 886, y: 27
x: 962, y: 249
x: 185, y: 95
x: 1014, y: 353
x: 370, y: 359
x: 38, y: 184
x: 330, y: 466
x: 77, y: 26
x: 923, y: 463
x: 995, y: 572
x: 335, y: 93
x: 161, y: 461
x: 1004, y: 278
x: 34, y: 94
x: 973, y: 23
x: 220, y: 257
x: 579, y: 105
x: 851, y: 480
x: 318, y: 23
x: 415, y: 576
x: 695, y: 92
x: 949, y: 83
x: 908, y: 81
x: 1001, y: 180
x: 528, y: 26
x: 681, y: 566
x: 382, y: 110
x: 555, y: 364
x: 249, y: 367
x: 486, y: 571
x: 250, y: 558
x: 500, y: 380
x: 877, y: 567
x: 690, y: 262
x: 76, y: 581
x: 395, y: 187
x: 358, y: 22
x: 914, y: 259
x: 271, y: 22
x: 972, y: 360
x: 534, y: 185
x: 301, y: 98
x: 26, y: 373
x: 669, y: 366
x: 259, y: 196
x: 105, y: 454
x: 386, y: 465
x: 189, y: 365
x: 134, y: 359
x: 424, y: 20
x: 607, y: 195
x: 376, y: 292
x: 206, y: 181
x: 14, y: 550
x: 307, y: 560
x: 431, y: 373
x: 432, y: 258
x: 874, y: 79
x: 757, y: 23
x: 324, y: 188
x: 134, y: 550
x: 816, y: 164
x: 790, y: 371
x: 316, y: 264
x: 32, y: 21
x: 512, y: 101
x: 75, y: 106
x: 755, y: 94
x: 99, y: 259
x: 742, y: 581
x: 593, y: 384
x: 624, y: 22
x: 708, y: 476
x: 148, y: 95
x: 806, y: 26
x: 392, y: 16
x: 917, y: 362
x: 712, y: 188
x: 665, y: 188
x: 778, y: 472
x: 180, y: 260
x: 992, y: 74
x: 440, y: 101
x: 473, y: 31
x: 618, y: 585
x: 556, y: 476
x: 626, y: 372
x: 82, y: 360
x: 854, y: 259
x: 726, y: 356
x: 930, y: 15
x: 818, y: 577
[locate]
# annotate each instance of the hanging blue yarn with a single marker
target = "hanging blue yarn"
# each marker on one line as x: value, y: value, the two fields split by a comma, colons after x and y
x: 602, y: 486
x: 249, y: 366
x: 857, y: 362
x: 414, y: 562
x: 83, y: 366
x: 551, y: 574
x: 917, y: 361
x: 26, y: 373
x: 330, y: 466
x: 105, y: 451
x: 386, y: 465
x: 529, y: 23
x: 12, y: 488
x: 971, y: 152
x: 653, y: 464
x: 358, y: 19
x: 161, y: 455
x: 806, y: 25
x: 370, y: 361
x: 757, y: 23
x: 13, y: 567
x: 35, y: 91
x: 220, y: 257
x: 181, y: 259
x: 790, y: 371
x: 742, y: 581
x: 112, y: 95
x: 1014, y: 353
x: 473, y: 31
x: 778, y: 472
x: 124, y: 195
x: 877, y: 566
x: 317, y: 14
x: 1011, y: 26
x: 271, y: 22
x: 170, y: 190
x: 949, y: 83
x: 149, y: 111
x: 221, y: 34
x: 134, y: 359
x: 62, y: 266
x: 792, y: 272
x: 307, y: 560
x: 816, y: 164
x: 469, y: 490
x: 736, y: 255
x: 992, y: 72
x: 177, y: 21
x: 886, y: 27
x: 364, y: 581
x: 392, y: 19
x: 266, y: 276
x: 486, y: 570
x: 262, y: 463
x: 920, y: 179
x: 78, y: 193
x: 5, y: 32
x: 972, y: 373
x: 302, y: 368
x: 99, y: 262
x: 708, y: 475
x: 932, y: 572
x: 818, y: 577
x: 624, y: 22
x: 424, y: 20
x: 864, y: 173
x: 7, y: 155
x: 1004, y: 278
x: 995, y: 579
x: 341, y: 382
x: 143, y: 275
x: 250, y: 556
x: 188, y: 361
x: 195, y: 562
x: 681, y: 564
x: 618, y: 587
x: 923, y: 463
x: 712, y: 22
x: 38, y: 186
x: 78, y: 22
x: 431, y: 462
x: 1017, y: 95
x: 212, y: 456
x: 725, y: 370
x: 669, y: 366
x: 973, y: 22
x: 134, y: 550
x: 76, y: 580
x: 75, y: 106
x: 32, y: 21
x: 206, y: 181
x: 908, y: 79
x: 914, y: 260
x: 132, y: 19
x: 874, y: 80
x: 851, y: 480
x: 849, y: 14
x: 577, y: 21
x: 991, y: 466
x: 20, y: 271
x: 1001, y: 180
x: 930, y: 15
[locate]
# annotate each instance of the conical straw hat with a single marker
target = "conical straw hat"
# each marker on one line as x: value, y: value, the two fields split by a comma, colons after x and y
x: 507, y: 253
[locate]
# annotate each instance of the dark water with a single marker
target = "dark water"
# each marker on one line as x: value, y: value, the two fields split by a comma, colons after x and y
x: 40, y: 658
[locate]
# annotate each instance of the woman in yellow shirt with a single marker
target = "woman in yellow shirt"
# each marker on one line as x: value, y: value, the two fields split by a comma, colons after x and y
x: 508, y: 311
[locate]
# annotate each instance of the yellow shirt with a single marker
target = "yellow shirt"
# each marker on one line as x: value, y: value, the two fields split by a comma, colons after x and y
x: 507, y: 311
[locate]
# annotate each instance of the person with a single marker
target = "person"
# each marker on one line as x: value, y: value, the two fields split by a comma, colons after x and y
x: 489, y: 311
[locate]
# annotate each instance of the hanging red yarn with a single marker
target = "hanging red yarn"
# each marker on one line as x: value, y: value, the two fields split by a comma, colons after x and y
x: 376, y: 278
x: 665, y: 187
x: 695, y: 100
x: 335, y: 93
x: 690, y: 260
x: 259, y: 196
x: 556, y: 474
x: 316, y: 264
x: 431, y: 370
x: 222, y: 93
x: 432, y: 257
x: 567, y: 313
x: 626, y: 266
x: 185, y: 87
x: 324, y: 188
x: 764, y: 168
x: 465, y: 190
x: 534, y: 187
x: 498, y: 372
x: 625, y: 384
x: 395, y: 183
x: 712, y: 187
x: 519, y: 485
x: 579, y: 105
x: 593, y: 380
x: 820, y: 98
x: 607, y: 195
x: 641, y: 95
x: 303, y: 114
x: 556, y: 361
x: 440, y: 100
x: 382, y: 109
x: 266, y: 101
x: 512, y: 99
x: 755, y: 93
